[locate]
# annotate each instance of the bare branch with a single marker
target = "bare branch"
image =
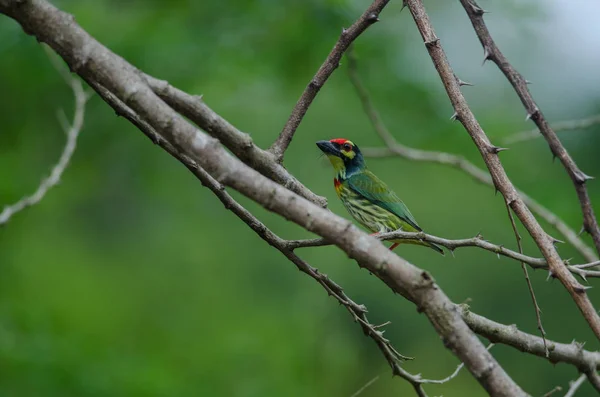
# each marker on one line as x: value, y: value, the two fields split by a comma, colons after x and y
x: 568, y: 125
x: 240, y: 143
x: 96, y: 63
x: 581, y: 270
x: 394, y: 148
x: 501, y: 181
x: 72, y: 131
x: 369, y: 17
x: 572, y: 353
x: 578, y: 178
x: 574, y: 385
x: 536, y: 307
x: 551, y: 392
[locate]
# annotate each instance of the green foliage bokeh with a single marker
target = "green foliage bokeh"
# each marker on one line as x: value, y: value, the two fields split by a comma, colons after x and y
x: 131, y: 279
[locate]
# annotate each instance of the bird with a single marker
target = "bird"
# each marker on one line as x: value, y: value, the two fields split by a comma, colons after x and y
x: 366, y: 197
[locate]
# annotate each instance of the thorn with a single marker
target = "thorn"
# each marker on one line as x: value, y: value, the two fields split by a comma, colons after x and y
x: 531, y: 114
x: 486, y: 55
x: 583, y: 276
x: 567, y: 261
x: 528, y: 82
x: 477, y: 10
x: 452, y: 252
x: 581, y: 289
x: 496, y: 149
x: 404, y: 4
x: 582, y: 177
x: 461, y: 82
x: 555, y: 240
x: 373, y: 17
x: 454, y: 116
x: 432, y: 43
x: 550, y: 275
x: 581, y: 230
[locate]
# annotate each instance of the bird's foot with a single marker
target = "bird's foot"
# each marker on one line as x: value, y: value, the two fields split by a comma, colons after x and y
x: 394, y: 246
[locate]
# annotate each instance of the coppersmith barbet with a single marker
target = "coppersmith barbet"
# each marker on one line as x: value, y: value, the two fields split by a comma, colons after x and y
x: 366, y: 197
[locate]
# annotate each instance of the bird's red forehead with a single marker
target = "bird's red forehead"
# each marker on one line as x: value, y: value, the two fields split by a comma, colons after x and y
x: 339, y: 141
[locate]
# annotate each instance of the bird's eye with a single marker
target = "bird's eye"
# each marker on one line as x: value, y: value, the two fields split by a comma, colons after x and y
x: 347, y: 147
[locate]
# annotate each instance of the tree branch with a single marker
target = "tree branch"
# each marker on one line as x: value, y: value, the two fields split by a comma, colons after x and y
x: 394, y: 148
x: 72, y: 131
x: 501, y: 181
x: 96, y: 63
x: 568, y: 125
x: 572, y: 353
x: 581, y: 270
x: 573, y: 386
x: 369, y: 17
x: 578, y: 178
x: 240, y: 143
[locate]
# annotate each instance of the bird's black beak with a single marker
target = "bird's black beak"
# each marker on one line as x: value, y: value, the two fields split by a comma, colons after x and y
x: 329, y: 148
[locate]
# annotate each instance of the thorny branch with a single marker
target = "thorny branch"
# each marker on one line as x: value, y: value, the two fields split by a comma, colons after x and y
x: 95, y: 63
x: 493, y: 53
x: 104, y: 70
x: 582, y: 270
x: 568, y: 125
x: 501, y: 181
x: 394, y: 148
x: 573, y: 353
x: 369, y: 17
x: 72, y: 131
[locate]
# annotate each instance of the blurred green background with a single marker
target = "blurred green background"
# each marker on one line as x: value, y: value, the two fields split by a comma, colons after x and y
x: 131, y: 279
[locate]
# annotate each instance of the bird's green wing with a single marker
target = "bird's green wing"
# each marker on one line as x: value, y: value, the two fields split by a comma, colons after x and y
x: 376, y: 191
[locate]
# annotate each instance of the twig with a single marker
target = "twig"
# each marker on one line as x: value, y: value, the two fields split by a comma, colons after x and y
x: 536, y: 307
x: 581, y: 270
x: 574, y: 385
x: 72, y: 131
x: 578, y: 178
x: 452, y: 375
x: 551, y: 392
x: 394, y: 148
x: 240, y: 143
x: 501, y: 181
x: 568, y: 125
x: 369, y: 17
x: 369, y: 383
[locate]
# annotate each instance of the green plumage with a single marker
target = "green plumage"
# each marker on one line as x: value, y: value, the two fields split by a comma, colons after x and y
x: 366, y: 197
